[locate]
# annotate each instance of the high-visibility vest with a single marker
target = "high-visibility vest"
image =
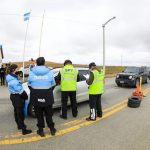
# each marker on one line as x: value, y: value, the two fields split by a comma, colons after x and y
x: 68, y: 78
x: 97, y: 87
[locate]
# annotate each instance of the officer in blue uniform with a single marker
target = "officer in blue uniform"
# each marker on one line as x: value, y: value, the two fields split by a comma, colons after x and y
x: 41, y: 82
x: 18, y: 97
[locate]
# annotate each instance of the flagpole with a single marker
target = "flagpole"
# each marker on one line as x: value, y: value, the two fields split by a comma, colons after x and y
x: 25, y: 40
x: 41, y: 33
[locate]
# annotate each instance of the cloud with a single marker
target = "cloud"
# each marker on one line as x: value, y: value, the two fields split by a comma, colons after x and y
x: 73, y: 30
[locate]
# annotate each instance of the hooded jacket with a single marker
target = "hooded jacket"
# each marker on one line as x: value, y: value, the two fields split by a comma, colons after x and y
x: 41, y: 80
x: 14, y: 84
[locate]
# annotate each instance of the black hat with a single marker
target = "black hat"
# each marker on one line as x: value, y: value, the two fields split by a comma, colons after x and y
x: 12, y: 68
x: 40, y: 61
x: 92, y: 64
x: 67, y: 62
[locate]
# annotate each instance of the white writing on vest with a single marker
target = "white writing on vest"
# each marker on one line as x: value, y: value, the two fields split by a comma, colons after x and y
x: 41, y: 100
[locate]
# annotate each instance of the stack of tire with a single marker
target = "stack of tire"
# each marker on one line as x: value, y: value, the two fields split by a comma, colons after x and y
x: 134, y: 102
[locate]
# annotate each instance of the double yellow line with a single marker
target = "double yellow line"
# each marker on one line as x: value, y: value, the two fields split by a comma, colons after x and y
x: 74, y: 125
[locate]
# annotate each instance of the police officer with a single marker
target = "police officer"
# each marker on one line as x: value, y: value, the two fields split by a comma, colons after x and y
x: 2, y: 75
x: 68, y: 77
x: 41, y: 83
x: 18, y: 97
x: 96, y: 89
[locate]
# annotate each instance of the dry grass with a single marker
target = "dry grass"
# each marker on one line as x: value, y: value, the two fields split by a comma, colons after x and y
x: 110, y: 70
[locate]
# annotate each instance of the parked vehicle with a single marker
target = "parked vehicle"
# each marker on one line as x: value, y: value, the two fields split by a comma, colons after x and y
x: 131, y: 76
x: 26, y: 70
x: 148, y: 70
x: 82, y: 90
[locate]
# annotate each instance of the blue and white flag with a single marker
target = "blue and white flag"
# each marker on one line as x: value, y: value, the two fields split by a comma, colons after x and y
x: 26, y: 16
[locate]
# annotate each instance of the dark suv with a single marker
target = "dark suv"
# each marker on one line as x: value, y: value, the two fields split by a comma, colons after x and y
x: 148, y: 69
x: 131, y: 76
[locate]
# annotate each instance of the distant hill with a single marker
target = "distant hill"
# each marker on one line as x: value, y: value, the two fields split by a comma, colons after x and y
x: 110, y: 70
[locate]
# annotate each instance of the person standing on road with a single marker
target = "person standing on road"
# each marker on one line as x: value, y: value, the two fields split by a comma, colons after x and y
x: 2, y: 75
x: 18, y: 97
x: 68, y: 77
x: 41, y: 82
x: 96, y: 89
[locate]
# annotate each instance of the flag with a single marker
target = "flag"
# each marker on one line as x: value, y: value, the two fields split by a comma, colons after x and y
x: 26, y: 16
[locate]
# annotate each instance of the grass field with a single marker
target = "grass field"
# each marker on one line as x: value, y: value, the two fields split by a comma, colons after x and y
x: 110, y: 70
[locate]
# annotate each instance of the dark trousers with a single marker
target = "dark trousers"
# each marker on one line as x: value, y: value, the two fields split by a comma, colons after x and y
x: 19, y: 117
x: 64, y: 100
x: 2, y: 79
x: 48, y: 111
x: 95, y: 106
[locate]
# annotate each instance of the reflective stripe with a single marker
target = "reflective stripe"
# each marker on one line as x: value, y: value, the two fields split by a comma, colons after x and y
x: 41, y: 87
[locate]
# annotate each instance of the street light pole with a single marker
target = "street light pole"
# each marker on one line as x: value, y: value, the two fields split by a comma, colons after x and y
x: 103, y: 26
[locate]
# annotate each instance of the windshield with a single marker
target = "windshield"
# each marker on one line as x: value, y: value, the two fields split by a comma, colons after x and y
x: 132, y: 70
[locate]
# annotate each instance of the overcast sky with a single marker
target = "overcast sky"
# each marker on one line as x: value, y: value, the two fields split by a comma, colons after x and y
x: 73, y: 30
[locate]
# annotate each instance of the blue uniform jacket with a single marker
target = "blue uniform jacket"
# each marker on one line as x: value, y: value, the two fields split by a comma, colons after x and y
x: 14, y: 84
x: 41, y: 77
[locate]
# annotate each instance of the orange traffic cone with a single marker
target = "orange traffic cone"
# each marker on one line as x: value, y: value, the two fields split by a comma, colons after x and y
x: 137, y: 91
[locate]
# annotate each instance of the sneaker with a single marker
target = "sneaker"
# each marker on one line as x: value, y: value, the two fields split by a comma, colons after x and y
x: 53, y: 131
x: 25, y: 131
x: 63, y: 117
x: 41, y: 133
x: 89, y: 119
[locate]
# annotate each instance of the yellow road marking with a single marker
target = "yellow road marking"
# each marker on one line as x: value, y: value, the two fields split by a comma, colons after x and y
x: 73, y: 128
x: 105, y: 110
x: 61, y: 132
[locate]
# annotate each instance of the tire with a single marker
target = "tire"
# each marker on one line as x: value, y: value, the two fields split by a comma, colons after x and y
x: 119, y: 85
x: 146, y: 81
x: 137, y: 81
x: 31, y: 110
x: 21, y: 74
x: 134, y: 102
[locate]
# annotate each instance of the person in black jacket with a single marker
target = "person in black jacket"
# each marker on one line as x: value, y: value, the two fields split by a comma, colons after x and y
x: 41, y: 82
x: 2, y: 75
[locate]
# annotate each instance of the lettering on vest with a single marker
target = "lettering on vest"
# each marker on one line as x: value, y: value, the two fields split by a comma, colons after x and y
x: 41, y: 77
x: 41, y: 100
x: 68, y: 70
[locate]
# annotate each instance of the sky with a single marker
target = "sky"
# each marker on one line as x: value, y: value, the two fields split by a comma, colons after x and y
x: 72, y: 29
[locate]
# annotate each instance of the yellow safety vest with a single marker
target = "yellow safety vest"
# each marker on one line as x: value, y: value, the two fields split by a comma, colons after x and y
x: 97, y: 87
x: 68, y: 78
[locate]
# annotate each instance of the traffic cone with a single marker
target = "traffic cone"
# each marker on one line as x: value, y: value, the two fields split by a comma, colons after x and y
x: 138, y: 92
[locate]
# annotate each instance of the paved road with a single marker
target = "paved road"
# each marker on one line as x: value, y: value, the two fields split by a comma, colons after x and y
x: 121, y: 128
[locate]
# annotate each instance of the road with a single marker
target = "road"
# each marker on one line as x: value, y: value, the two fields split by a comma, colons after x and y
x: 120, y: 128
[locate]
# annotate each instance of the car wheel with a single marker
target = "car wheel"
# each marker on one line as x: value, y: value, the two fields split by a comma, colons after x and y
x: 21, y: 74
x: 31, y: 110
x: 137, y: 81
x: 134, y: 102
x: 119, y: 85
x: 146, y: 81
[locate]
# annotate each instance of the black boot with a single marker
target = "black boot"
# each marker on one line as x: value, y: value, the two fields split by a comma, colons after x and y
x: 40, y: 132
x: 25, y: 131
x: 53, y: 131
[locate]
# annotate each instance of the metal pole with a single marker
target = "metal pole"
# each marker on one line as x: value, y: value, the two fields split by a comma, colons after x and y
x: 25, y: 40
x: 41, y: 34
x: 103, y: 48
x: 104, y: 65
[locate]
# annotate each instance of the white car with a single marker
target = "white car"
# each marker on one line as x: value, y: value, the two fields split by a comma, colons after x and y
x: 26, y: 70
x: 82, y: 90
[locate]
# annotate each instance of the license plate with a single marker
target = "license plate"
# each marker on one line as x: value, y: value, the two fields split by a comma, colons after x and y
x: 121, y: 81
